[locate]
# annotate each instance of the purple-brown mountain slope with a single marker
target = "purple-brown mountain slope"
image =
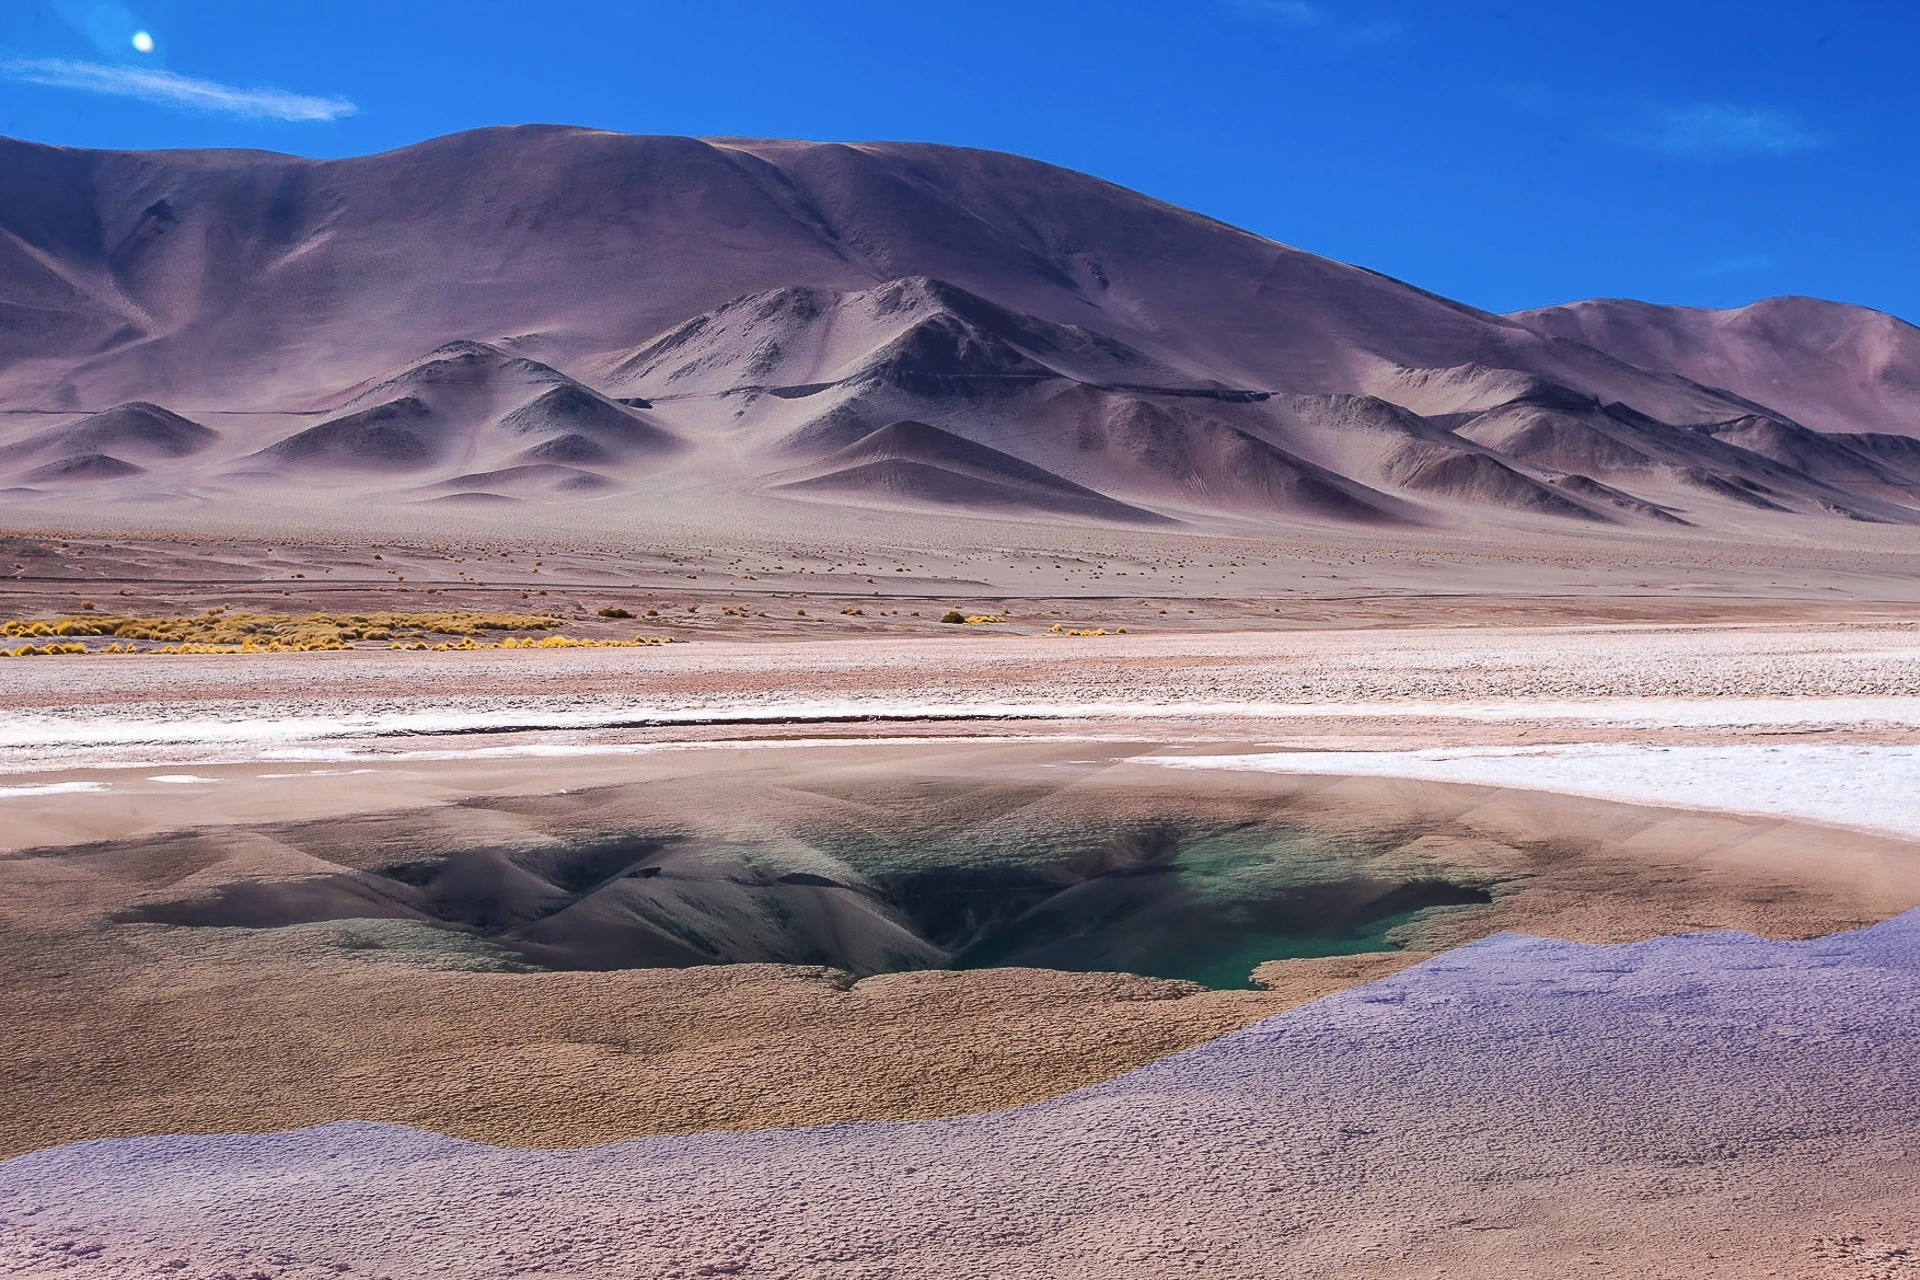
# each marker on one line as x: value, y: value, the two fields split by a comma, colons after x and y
x: 570, y: 316
x: 1826, y: 365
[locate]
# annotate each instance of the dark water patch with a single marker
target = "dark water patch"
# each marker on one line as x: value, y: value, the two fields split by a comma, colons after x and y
x: 1218, y: 946
x: 1164, y: 921
x: 1159, y: 899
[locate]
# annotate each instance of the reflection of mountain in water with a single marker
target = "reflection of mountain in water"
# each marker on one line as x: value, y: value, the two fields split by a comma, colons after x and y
x: 1197, y: 905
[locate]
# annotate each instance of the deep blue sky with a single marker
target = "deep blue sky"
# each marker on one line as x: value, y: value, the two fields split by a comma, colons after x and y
x: 1707, y: 152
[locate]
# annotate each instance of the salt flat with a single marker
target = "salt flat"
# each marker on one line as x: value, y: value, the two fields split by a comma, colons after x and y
x: 1874, y: 788
x: 1605, y: 784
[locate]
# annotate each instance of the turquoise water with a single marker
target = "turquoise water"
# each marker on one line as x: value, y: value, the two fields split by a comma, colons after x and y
x: 1231, y: 966
x: 1171, y: 932
x: 1206, y: 909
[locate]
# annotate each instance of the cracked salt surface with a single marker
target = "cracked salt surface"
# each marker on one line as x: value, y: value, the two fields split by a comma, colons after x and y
x: 1875, y: 788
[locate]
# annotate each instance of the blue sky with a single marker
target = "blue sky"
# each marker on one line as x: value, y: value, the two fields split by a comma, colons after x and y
x: 1707, y: 152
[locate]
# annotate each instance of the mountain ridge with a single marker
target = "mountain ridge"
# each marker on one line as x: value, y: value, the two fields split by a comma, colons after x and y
x: 589, y: 317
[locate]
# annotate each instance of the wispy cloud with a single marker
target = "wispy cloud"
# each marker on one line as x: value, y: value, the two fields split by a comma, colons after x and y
x: 168, y: 89
x: 1717, y: 130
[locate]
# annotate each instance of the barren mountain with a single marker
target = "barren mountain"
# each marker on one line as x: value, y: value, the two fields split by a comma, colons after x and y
x: 607, y: 324
x: 1824, y: 365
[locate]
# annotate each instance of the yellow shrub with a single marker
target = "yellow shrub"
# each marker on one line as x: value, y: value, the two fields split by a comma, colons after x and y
x: 219, y: 632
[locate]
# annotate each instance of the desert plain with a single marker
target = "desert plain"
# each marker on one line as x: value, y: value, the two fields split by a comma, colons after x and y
x: 255, y: 892
x: 575, y: 705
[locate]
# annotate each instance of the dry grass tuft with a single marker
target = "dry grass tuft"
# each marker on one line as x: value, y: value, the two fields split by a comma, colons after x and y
x: 217, y: 631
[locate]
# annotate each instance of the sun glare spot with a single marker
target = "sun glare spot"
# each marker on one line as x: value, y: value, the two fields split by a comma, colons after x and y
x: 143, y: 42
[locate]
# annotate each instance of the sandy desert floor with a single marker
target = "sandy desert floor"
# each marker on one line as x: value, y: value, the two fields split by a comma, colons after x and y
x: 1733, y: 777
x: 789, y: 572
x: 1597, y: 770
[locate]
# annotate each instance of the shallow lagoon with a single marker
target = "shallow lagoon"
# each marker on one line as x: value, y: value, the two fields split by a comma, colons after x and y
x: 1024, y: 882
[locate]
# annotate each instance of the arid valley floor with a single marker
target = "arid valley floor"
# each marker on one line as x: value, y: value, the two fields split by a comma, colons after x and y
x: 599, y: 707
x: 556, y: 898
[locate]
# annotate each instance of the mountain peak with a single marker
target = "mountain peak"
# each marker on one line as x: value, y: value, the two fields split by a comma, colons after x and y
x: 704, y: 315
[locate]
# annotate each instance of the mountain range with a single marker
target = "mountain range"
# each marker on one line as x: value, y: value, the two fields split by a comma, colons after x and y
x: 585, y: 320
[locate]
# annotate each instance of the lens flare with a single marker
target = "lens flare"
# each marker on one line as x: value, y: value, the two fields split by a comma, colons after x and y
x: 143, y: 42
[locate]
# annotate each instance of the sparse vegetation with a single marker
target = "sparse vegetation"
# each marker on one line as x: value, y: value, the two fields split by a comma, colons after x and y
x: 217, y: 631
x: 555, y: 642
x: 615, y: 612
x: 953, y: 616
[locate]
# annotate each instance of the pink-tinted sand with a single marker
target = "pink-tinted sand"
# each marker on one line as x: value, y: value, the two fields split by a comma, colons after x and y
x: 1712, y: 1105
